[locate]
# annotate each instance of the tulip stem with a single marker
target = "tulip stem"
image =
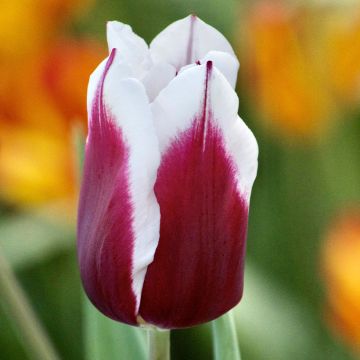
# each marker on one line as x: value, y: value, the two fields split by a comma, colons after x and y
x: 225, y: 342
x: 159, y: 344
x: 22, y: 316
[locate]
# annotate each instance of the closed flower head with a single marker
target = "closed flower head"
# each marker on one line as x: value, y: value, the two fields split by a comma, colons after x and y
x: 169, y: 168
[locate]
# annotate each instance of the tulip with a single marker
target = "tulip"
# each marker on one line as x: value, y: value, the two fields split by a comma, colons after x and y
x: 286, y: 84
x: 38, y: 67
x: 168, y: 172
x: 66, y: 72
x: 302, y: 62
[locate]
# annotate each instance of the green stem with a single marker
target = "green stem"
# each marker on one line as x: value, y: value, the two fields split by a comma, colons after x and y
x: 159, y: 344
x: 225, y: 340
x: 22, y: 316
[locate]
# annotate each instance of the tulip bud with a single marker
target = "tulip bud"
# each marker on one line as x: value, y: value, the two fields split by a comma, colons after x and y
x: 166, y: 187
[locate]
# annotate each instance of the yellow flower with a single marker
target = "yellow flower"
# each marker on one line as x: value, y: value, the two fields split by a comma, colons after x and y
x: 342, y: 37
x: 26, y: 25
x: 35, y: 164
x: 34, y: 142
x: 341, y: 268
x: 302, y: 63
x: 66, y: 72
x: 42, y: 95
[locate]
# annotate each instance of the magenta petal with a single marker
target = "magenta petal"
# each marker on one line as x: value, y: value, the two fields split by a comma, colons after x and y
x: 105, y: 237
x: 197, y: 273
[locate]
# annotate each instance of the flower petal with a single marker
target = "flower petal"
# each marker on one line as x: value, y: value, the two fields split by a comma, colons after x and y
x: 226, y: 63
x: 132, y: 49
x: 208, y: 165
x: 118, y: 222
x: 157, y: 78
x: 187, y: 40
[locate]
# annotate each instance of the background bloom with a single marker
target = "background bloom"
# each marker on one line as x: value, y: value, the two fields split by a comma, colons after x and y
x: 341, y: 268
x: 301, y: 71
x: 42, y: 96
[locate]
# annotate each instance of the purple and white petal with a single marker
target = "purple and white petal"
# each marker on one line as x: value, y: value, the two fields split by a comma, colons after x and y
x: 208, y: 165
x: 118, y: 220
x: 132, y: 49
x: 158, y: 78
x: 187, y: 40
x: 226, y: 63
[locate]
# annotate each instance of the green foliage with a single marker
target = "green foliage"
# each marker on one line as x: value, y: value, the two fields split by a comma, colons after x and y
x: 28, y: 239
x: 224, y: 338
x: 106, y: 339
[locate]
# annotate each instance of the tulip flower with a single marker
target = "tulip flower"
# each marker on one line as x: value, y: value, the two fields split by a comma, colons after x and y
x: 42, y: 92
x: 66, y: 72
x: 168, y: 172
x: 302, y: 62
x: 281, y: 72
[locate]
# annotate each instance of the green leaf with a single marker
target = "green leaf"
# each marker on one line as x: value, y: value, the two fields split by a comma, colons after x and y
x: 225, y: 341
x: 271, y: 324
x: 106, y: 339
x: 27, y: 239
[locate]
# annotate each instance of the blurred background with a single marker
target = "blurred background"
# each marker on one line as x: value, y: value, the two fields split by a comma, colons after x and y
x: 299, y: 89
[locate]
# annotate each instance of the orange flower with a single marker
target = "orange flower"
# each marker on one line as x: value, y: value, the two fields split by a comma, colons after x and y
x: 42, y: 94
x: 66, y: 74
x: 341, y: 266
x: 342, y: 36
x: 298, y: 60
x: 35, y: 143
x: 27, y: 25
x: 35, y: 164
x: 60, y: 11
